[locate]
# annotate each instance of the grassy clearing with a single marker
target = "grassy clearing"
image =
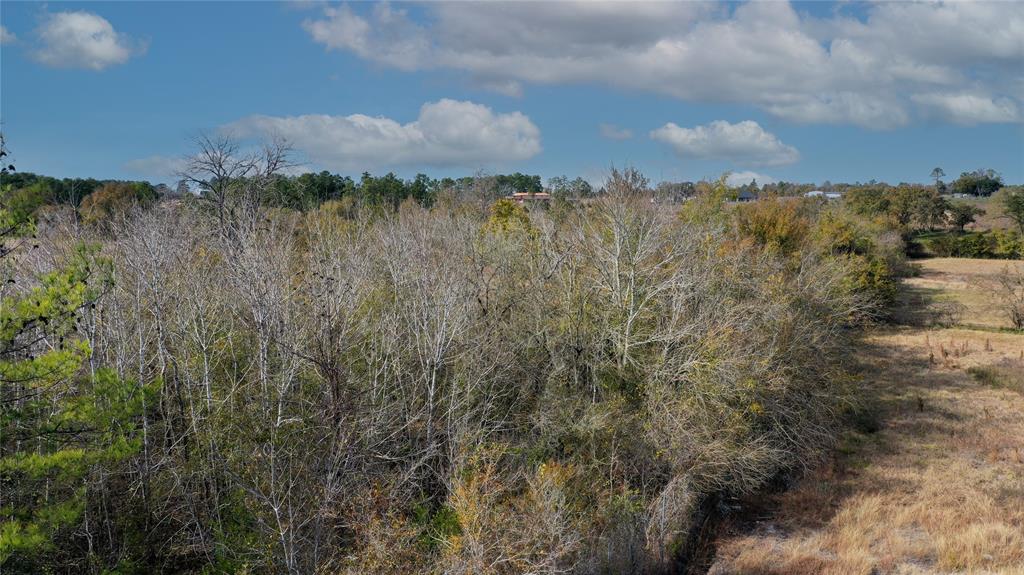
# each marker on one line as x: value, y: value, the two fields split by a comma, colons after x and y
x: 955, y: 291
x: 939, y: 487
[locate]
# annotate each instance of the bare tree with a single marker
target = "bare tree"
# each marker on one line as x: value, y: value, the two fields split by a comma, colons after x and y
x: 423, y: 391
x: 1010, y: 287
x: 234, y: 180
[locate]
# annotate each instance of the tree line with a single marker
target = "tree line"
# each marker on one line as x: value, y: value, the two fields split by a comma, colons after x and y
x: 221, y: 163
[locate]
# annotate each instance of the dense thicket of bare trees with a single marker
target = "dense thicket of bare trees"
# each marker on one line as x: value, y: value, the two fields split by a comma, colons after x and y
x: 441, y: 391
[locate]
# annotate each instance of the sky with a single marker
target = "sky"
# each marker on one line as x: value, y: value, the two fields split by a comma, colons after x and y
x: 776, y: 91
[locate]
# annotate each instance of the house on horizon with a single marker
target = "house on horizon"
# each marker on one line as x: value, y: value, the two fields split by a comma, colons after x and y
x: 746, y: 196
x: 823, y: 194
x: 524, y: 197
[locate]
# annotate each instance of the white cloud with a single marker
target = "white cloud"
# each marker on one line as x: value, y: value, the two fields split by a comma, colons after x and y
x: 613, y: 132
x: 743, y: 143
x: 82, y: 40
x: 156, y: 166
x: 6, y: 36
x: 446, y: 133
x: 839, y: 69
x: 736, y: 179
x: 969, y: 108
x: 397, y: 42
x: 870, y: 110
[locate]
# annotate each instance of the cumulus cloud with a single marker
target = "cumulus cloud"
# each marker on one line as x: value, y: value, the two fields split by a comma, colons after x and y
x: 743, y: 143
x: 6, y: 36
x: 840, y: 69
x: 613, y: 132
x: 395, y: 41
x: 736, y: 179
x: 446, y: 133
x: 156, y: 166
x: 82, y: 40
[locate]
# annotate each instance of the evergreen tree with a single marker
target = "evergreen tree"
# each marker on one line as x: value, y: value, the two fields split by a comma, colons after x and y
x: 58, y: 426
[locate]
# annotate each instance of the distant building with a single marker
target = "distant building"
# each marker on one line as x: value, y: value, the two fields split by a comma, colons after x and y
x: 823, y: 194
x: 187, y: 188
x: 746, y: 196
x: 524, y: 197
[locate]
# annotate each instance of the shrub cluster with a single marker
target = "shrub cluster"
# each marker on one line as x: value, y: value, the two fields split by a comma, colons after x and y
x: 869, y: 258
x: 998, y: 244
x: 450, y: 390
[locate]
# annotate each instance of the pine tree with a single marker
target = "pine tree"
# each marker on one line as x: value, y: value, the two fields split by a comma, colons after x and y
x: 58, y: 425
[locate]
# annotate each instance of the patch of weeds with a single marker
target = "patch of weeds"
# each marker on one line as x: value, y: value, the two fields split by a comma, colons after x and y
x: 999, y: 377
x: 853, y: 446
x: 438, y: 525
x: 864, y: 421
x: 865, y: 418
x: 921, y: 462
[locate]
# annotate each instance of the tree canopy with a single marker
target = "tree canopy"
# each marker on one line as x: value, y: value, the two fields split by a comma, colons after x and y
x: 1012, y: 201
x: 977, y: 183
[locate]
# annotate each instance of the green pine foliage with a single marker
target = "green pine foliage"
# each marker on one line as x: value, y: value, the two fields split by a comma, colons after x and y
x: 58, y: 423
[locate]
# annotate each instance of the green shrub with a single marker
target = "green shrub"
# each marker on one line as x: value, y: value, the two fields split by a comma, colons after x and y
x: 871, y: 265
x: 780, y: 226
x: 871, y: 276
x: 994, y: 244
x: 1009, y: 244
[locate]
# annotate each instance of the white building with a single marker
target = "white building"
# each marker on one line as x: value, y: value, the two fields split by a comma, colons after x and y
x: 823, y: 194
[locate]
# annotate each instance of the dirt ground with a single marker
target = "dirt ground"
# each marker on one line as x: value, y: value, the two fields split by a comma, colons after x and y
x: 935, y: 484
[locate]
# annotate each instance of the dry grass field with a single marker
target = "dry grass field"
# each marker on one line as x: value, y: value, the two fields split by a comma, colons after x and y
x: 956, y: 291
x: 936, y: 487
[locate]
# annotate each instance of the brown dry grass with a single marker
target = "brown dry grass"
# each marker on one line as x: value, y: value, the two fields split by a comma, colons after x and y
x: 960, y: 290
x: 939, y: 488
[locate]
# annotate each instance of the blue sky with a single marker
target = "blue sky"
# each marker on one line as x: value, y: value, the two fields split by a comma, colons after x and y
x: 798, y: 92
